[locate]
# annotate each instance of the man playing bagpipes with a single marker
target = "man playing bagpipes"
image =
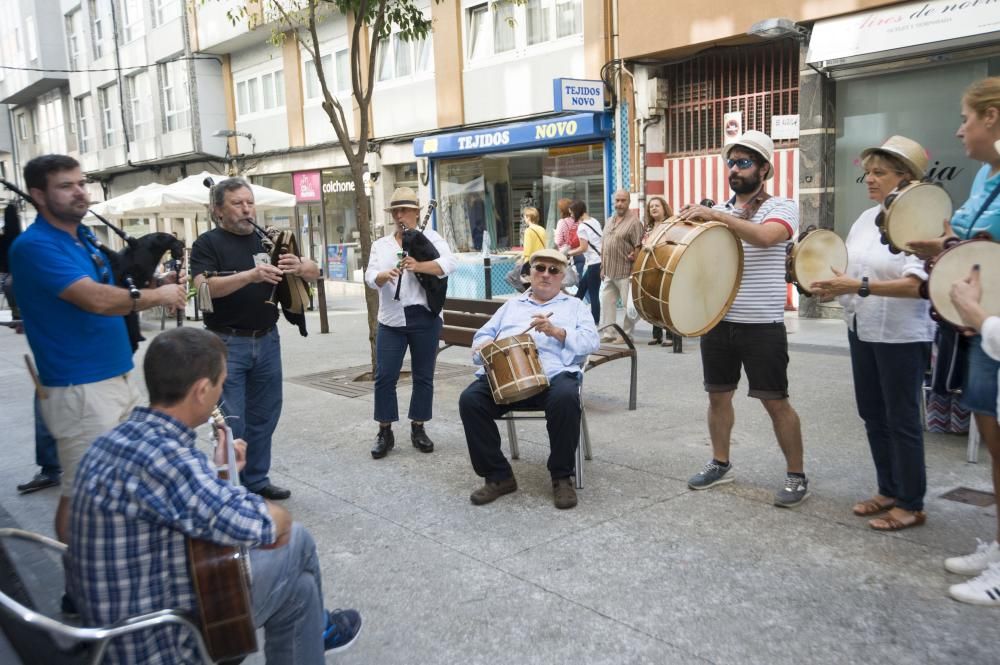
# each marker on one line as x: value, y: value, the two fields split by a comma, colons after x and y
x: 235, y: 262
x: 73, y: 316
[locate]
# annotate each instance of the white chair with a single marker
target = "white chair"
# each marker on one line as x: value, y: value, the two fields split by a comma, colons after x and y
x: 97, y: 636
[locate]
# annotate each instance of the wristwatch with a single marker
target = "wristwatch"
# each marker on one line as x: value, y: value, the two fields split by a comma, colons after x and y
x: 864, y: 291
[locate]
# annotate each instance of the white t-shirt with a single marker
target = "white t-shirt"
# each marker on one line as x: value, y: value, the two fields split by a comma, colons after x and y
x: 383, y: 257
x: 761, y: 298
x: 878, y: 318
x: 590, y: 230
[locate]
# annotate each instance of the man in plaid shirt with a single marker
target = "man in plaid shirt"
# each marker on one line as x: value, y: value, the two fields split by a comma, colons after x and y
x: 143, y: 488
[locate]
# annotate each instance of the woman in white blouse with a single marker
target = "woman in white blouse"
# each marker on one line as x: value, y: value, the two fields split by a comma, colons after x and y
x: 890, y: 334
x: 407, y: 322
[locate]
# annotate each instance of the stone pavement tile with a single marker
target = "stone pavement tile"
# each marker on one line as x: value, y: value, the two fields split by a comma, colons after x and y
x: 735, y: 581
x: 423, y: 602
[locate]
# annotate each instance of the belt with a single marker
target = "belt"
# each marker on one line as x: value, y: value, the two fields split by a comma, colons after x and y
x: 240, y: 332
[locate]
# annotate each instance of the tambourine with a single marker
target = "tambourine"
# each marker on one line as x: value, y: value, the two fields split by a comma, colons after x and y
x: 915, y: 211
x: 954, y: 264
x: 813, y: 257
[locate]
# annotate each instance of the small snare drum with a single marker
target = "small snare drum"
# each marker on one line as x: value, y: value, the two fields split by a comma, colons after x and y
x: 513, y: 369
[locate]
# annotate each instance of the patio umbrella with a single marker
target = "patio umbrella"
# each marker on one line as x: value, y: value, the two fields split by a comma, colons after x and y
x: 140, y: 202
x: 190, y: 195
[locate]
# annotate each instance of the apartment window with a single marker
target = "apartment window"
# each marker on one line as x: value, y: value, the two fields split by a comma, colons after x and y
x: 399, y: 58
x: 50, y: 124
x: 132, y: 19
x: 166, y: 10
x: 501, y: 27
x: 344, y: 84
x: 138, y: 94
x: 99, y: 20
x: 22, y: 126
x: 272, y: 86
x: 31, y: 38
x: 73, y: 39
x: 266, y: 92
x: 107, y: 99
x: 84, y: 122
x: 313, y: 89
x: 176, y: 95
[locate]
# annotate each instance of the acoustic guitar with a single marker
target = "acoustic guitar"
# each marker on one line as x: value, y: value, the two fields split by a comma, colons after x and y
x: 221, y: 578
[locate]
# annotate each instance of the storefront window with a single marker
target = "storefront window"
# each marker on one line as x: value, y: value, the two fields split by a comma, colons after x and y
x: 923, y: 105
x: 480, y: 199
x: 341, y: 222
x: 278, y: 218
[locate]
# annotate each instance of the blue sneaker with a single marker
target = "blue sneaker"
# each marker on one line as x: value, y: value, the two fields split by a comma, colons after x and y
x: 342, y: 628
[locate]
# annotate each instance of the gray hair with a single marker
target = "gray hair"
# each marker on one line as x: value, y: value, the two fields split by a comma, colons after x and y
x: 219, y: 189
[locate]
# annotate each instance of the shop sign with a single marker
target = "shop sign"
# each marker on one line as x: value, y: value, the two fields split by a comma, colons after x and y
x: 784, y: 127
x: 336, y: 262
x: 554, y: 131
x: 578, y: 95
x: 306, y: 186
x: 900, y: 26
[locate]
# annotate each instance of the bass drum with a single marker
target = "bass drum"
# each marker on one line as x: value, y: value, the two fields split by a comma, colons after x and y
x: 813, y: 258
x: 955, y: 263
x: 687, y: 275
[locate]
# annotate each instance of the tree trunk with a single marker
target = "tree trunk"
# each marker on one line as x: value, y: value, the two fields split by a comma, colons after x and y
x: 362, y: 209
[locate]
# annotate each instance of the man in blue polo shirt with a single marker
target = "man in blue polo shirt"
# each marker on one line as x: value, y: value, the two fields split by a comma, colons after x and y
x: 73, y: 317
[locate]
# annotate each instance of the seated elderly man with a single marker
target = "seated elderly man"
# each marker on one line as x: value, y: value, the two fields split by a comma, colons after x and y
x: 565, y: 334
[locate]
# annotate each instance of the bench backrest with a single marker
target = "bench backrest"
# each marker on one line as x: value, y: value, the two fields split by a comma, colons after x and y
x: 463, y: 317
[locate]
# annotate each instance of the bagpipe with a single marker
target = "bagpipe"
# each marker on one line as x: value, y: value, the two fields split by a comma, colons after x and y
x: 420, y: 247
x: 134, y: 267
x: 292, y: 292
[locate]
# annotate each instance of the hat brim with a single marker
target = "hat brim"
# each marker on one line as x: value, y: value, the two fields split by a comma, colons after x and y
x: 409, y: 206
x: 752, y: 148
x: 868, y: 152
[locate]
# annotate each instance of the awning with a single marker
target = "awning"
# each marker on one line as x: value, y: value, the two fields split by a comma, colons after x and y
x: 910, y: 30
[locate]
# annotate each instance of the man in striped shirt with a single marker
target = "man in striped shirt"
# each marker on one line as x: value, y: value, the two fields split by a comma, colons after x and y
x: 752, y: 334
x: 622, y: 237
x: 143, y: 489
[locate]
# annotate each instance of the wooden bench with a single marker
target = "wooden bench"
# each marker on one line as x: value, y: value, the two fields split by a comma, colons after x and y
x: 464, y: 316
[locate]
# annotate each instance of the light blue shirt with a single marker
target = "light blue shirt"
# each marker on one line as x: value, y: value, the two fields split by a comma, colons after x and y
x: 989, y: 221
x: 568, y: 313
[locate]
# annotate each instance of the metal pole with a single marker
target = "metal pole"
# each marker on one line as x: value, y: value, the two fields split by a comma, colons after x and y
x: 324, y: 322
x: 488, y: 273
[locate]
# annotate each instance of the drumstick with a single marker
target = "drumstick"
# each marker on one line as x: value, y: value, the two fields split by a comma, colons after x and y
x: 34, y: 377
x: 532, y: 326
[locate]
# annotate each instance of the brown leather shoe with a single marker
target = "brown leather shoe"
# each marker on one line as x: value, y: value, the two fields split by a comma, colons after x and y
x: 491, y: 491
x: 563, y: 493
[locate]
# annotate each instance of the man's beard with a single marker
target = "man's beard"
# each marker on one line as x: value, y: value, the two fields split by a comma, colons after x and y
x: 742, y: 185
x: 240, y: 227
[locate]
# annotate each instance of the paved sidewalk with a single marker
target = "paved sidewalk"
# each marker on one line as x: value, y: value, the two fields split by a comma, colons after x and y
x: 643, y: 570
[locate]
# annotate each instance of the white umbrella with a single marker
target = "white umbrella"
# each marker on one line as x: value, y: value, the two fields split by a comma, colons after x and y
x: 191, y: 195
x: 140, y: 202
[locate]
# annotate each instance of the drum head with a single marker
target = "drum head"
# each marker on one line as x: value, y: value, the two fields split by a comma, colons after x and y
x: 954, y: 264
x: 816, y: 255
x: 705, y: 281
x: 917, y: 213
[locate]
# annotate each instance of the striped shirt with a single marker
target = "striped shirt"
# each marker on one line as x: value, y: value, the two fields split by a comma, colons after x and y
x: 761, y: 298
x: 621, y: 236
x: 140, y: 490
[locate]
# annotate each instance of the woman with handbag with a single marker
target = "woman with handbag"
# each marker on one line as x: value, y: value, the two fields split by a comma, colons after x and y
x: 889, y: 331
x: 590, y: 233
x: 980, y: 134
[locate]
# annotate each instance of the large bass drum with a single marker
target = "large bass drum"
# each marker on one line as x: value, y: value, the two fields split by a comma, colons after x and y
x: 955, y: 263
x: 687, y: 275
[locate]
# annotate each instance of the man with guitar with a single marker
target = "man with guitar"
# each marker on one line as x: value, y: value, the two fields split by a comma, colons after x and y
x: 73, y: 316
x: 235, y: 265
x: 144, y: 489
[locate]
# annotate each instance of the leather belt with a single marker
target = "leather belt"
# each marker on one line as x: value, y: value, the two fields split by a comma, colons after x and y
x: 241, y: 332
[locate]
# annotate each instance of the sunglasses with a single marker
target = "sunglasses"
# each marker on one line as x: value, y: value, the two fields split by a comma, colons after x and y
x: 743, y: 163
x: 553, y: 270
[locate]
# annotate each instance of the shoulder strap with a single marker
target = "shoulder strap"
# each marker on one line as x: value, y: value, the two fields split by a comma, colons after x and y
x: 986, y: 204
x: 536, y: 229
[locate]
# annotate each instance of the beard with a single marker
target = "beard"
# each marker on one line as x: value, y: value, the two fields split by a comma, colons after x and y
x: 741, y: 185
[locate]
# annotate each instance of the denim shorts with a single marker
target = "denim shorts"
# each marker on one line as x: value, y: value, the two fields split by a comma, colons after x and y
x: 979, y: 393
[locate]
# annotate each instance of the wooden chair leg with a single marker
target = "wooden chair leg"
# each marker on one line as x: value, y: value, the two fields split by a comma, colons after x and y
x: 512, y: 438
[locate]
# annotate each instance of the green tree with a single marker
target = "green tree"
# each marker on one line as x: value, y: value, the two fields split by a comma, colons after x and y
x: 370, y: 21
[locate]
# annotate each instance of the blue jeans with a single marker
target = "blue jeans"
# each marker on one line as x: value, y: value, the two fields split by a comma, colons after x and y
x: 46, y: 453
x: 979, y: 394
x: 888, y: 387
x: 286, y: 594
x: 580, y: 263
x: 251, y: 399
x: 420, y: 334
x: 590, y: 285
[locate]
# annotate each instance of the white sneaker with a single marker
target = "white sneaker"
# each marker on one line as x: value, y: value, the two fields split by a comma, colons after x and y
x: 975, y: 563
x: 982, y: 590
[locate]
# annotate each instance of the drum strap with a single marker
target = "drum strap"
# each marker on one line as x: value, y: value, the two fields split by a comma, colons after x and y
x: 986, y: 204
x: 753, y: 205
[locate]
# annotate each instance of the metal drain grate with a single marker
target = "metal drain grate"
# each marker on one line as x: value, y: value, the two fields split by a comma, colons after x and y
x: 341, y: 381
x: 970, y: 496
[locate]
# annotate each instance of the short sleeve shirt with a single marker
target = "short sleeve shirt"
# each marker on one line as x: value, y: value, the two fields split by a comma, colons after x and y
x: 989, y: 220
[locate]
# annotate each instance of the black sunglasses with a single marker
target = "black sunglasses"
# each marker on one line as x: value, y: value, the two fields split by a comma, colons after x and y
x: 541, y: 267
x: 743, y: 163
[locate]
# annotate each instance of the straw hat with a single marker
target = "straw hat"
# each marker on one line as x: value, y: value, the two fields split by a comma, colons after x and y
x: 403, y: 197
x: 905, y: 150
x: 758, y: 142
x: 551, y: 255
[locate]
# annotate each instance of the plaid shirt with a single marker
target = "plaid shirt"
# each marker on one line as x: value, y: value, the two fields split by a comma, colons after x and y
x: 140, y: 490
